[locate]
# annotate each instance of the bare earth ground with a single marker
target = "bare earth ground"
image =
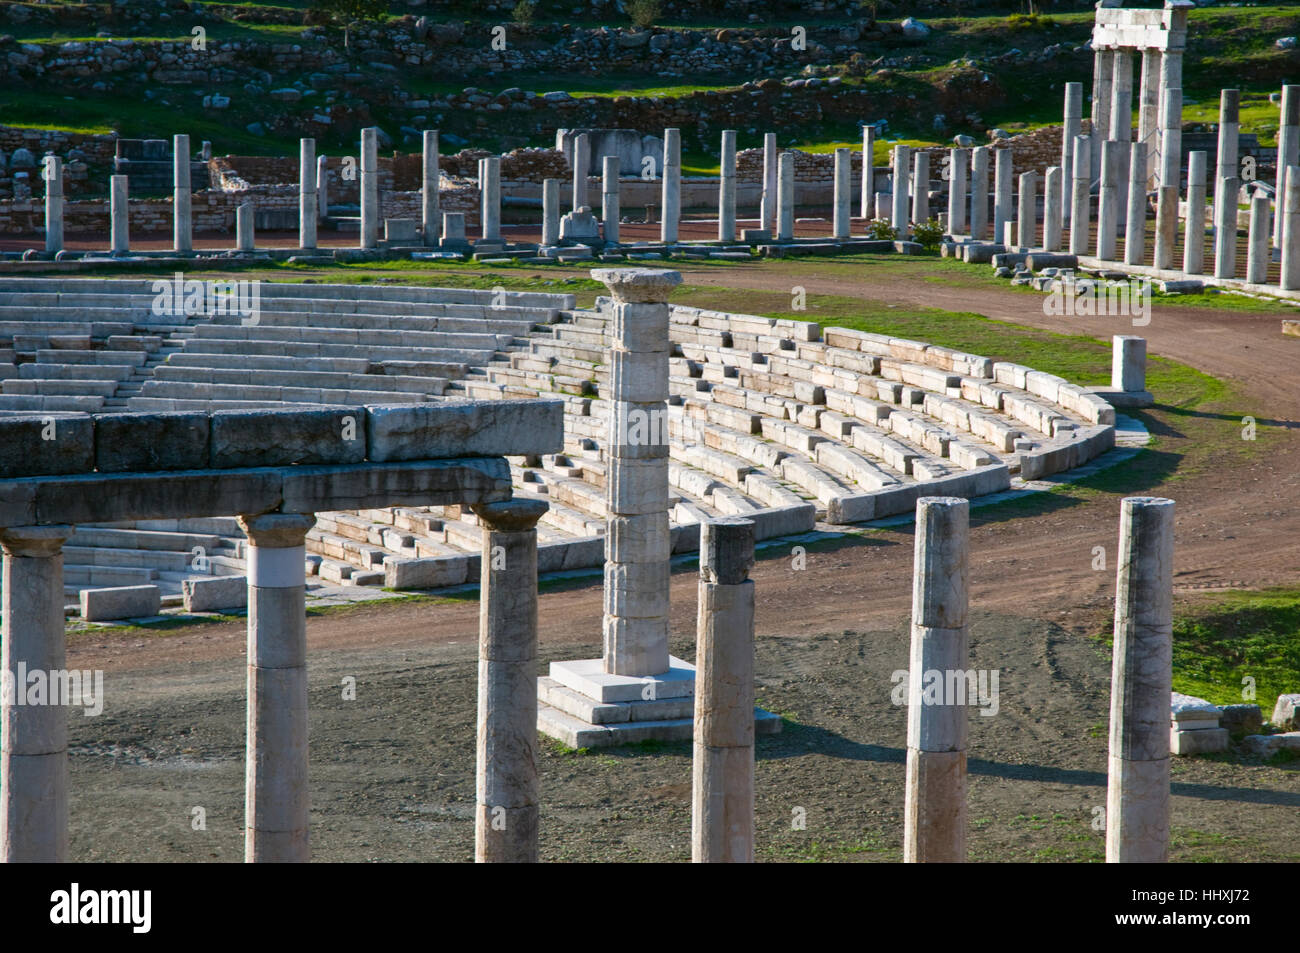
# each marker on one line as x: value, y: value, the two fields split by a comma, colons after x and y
x: 392, y: 771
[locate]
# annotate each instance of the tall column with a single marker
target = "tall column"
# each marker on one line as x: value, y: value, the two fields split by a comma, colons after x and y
x: 276, y: 795
x: 1136, y: 212
x: 901, y: 174
x: 34, y: 746
x: 430, y: 180
x: 1108, y: 201
x: 581, y: 166
x: 1226, y: 185
x: 244, y: 227
x: 52, y: 172
x: 1258, y: 254
x: 979, y: 193
x: 1288, y: 150
x: 768, y: 209
x: 722, y: 802
x: 920, y: 187
x: 957, y: 173
x: 727, y: 188
x: 843, y: 180
x: 1026, y: 211
x: 491, y: 194
x: 609, y: 210
x: 1166, y: 227
x: 1103, y: 72
x: 1121, y: 115
x: 506, y: 814
x: 1171, y: 112
x: 1002, y: 192
x: 182, y: 215
x: 550, y: 212
x: 1194, y: 236
x: 307, y: 193
x: 1170, y: 178
x: 1053, y: 207
x: 1073, y: 123
x: 119, y: 214
x: 672, y: 186
x: 370, y: 187
x: 868, y: 171
x: 637, y: 539
x: 322, y: 188
x: 1080, y: 195
x: 1149, y: 115
x: 785, y: 197
x: 1291, y: 230
x: 1137, y: 795
x: 934, y: 816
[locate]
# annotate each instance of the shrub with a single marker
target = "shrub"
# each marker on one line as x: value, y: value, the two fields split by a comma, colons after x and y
x: 928, y: 234
x: 524, y: 13
x: 880, y: 229
x: 644, y: 13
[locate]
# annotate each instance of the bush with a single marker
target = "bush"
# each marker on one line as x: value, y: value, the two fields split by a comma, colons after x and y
x: 524, y: 14
x: 644, y: 13
x: 880, y: 229
x: 928, y: 233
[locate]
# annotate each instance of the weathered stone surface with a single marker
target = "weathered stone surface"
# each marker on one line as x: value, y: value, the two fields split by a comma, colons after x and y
x: 1286, y: 713
x: 451, y: 429
x: 120, y: 602
x: 144, y: 442
x: 262, y: 438
x: 1241, y: 719
x: 215, y: 594
x: 52, y: 443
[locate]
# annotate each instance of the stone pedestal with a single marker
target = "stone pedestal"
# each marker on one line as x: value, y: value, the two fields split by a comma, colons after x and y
x: 307, y: 194
x: 52, y: 172
x: 672, y: 186
x: 430, y: 178
x: 727, y: 188
x: 182, y: 217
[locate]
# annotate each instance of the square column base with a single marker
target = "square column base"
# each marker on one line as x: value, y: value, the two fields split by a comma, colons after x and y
x: 582, y: 706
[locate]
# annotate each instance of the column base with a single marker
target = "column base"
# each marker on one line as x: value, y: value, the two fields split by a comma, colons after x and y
x: 1123, y: 399
x: 582, y: 706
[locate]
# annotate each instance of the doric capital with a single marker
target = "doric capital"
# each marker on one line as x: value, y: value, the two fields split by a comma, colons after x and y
x: 277, y: 530
x: 511, y: 516
x: 34, y: 541
x: 638, y: 285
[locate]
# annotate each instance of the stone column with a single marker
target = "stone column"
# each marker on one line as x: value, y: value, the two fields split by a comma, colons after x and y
x: 307, y: 193
x: 1171, y: 109
x: 491, y: 193
x: 1103, y: 72
x: 934, y: 816
x: 1053, y: 208
x: 1136, y: 212
x: 957, y: 172
x: 1002, y: 192
x: 244, y: 227
x: 182, y: 217
x: 1137, y: 795
x: 276, y: 805
x: 637, y: 540
x: 609, y: 210
x: 1073, y: 123
x: 672, y: 186
x: 582, y: 165
x: 843, y: 184
x: 785, y: 197
x: 1226, y: 185
x: 898, y: 215
x: 1258, y: 253
x: 979, y: 193
x: 1026, y: 211
x: 768, y: 209
x: 550, y: 212
x: 322, y: 188
x: 1128, y: 363
x: 920, y: 187
x: 1288, y: 150
x: 505, y: 817
x: 53, y: 175
x: 120, y: 215
x: 1121, y: 116
x: 868, y: 171
x: 1149, y: 115
x: 1080, y: 195
x: 1194, y: 236
x: 1166, y: 227
x: 1108, y: 201
x: 727, y: 188
x: 722, y: 804
x: 1291, y: 230
x: 370, y: 214
x: 430, y: 180
x: 34, y: 750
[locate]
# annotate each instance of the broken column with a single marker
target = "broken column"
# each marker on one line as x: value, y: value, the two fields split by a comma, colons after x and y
x: 1288, y: 150
x: 1135, y: 224
x: 1137, y: 797
x: 277, y: 803
x: 934, y: 815
x: 1128, y: 364
x: 1053, y: 208
x: 1026, y: 211
x: 1258, y: 254
x: 1194, y: 236
x: 979, y: 192
x: 958, y: 160
x: 1170, y: 118
x: 672, y: 186
x: 119, y: 215
x: 727, y: 188
x: 1149, y: 116
x: 1080, y: 195
x: 1103, y: 72
x: 369, y: 187
x: 921, y: 187
x: 768, y: 209
x: 722, y: 804
x: 1002, y: 192
x: 842, y: 182
x: 244, y: 227
x: 506, y: 813
x: 868, y: 172
x: 307, y: 193
x: 430, y: 180
x: 1291, y: 230
x: 1108, y: 201
x: 52, y: 172
x: 182, y: 214
x: 1073, y: 122
x: 1226, y: 186
x: 785, y: 197
x: 322, y: 188
x: 901, y: 174
x: 490, y: 192
x: 1121, y: 120
x: 609, y: 206
x: 581, y: 165
x: 550, y: 212
x: 34, y: 756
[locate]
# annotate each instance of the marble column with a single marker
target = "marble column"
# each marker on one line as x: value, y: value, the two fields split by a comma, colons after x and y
x: 727, y: 188
x: 1103, y: 72
x: 1003, y: 190
x: 609, y: 198
x: 581, y: 168
x: 1128, y: 363
x: 901, y: 175
x: 322, y: 188
x: 768, y: 210
x: 1073, y: 124
x: 785, y: 197
x: 307, y: 193
x: 430, y: 180
x: 52, y: 172
x: 1170, y: 119
x: 958, y: 160
x: 1121, y: 117
x: 1080, y: 195
x: 490, y: 190
x: 1135, y: 224
x: 920, y: 187
x: 550, y: 212
x: 842, y: 184
x: 508, y: 799
x: 1053, y: 208
x: 1291, y: 230
x: 182, y: 196
x: 370, y: 214
x: 1026, y: 210
x: 722, y: 801
x: 1288, y: 150
x: 1194, y: 236
x: 1149, y: 115
x: 979, y: 193
x: 244, y: 227
x: 868, y: 171
x: 34, y: 748
x: 276, y: 809
x: 1258, y: 247
x: 1108, y: 201
x: 672, y: 186
x: 1226, y: 186
x: 119, y: 215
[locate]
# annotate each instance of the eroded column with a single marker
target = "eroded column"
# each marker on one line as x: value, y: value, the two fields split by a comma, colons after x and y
x: 430, y: 180
x: 1137, y: 797
x: 1003, y: 189
x: 722, y: 804
x: 1073, y: 123
x: 52, y: 172
x: 1026, y: 210
x: 868, y: 171
x: 322, y: 188
x: 843, y: 180
x: 182, y: 214
x: 1194, y: 236
x: 1080, y: 195
x: 901, y: 175
x: 979, y: 193
x: 550, y: 212
x: 609, y: 204
x: 768, y: 209
x: 727, y: 188
x: 1258, y: 254
x: 244, y: 227
x: 34, y: 741
x: 369, y: 187
x: 581, y: 166
x: 1135, y: 225
x: 276, y: 795
x: 1053, y: 208
x: 307, y: 193
x: 1226, y: 186
x: 672, y: 186
x: 958, y: 160
x: 506, y: 814
x: 119, y: 215
x: 785, y: 197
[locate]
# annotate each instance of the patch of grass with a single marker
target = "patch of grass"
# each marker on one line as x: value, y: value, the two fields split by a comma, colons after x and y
x: 831, y: 850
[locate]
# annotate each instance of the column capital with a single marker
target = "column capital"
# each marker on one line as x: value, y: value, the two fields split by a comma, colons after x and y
x: 511, y: 516
x: 638, y: 285
x: 277, y: 530
x: 34, y: 541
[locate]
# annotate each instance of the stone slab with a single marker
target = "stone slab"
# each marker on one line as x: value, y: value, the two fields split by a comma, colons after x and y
x: 588, y: 677
x: 120, y: 602
x: 212, y: 595
x: 465, y: 429
x: 1202, y: 741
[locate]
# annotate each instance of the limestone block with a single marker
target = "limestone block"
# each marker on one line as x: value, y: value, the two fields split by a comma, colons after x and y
x: 147, y: 442
x: 636, y: 487
x: 427, y: 573
x: 215, y: 594
x: 452, y: 429
x: 263, y: 438
x: 1201, y: 741
x: 49, y: 444
x: 1241, y: 719
x: 424, y: 483
x: 121, y: 602
x: 1286, y: 713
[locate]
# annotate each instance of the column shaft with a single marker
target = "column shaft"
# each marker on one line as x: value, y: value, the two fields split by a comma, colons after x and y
x: 1258, y: 254
x: 581, y: 166
x: 119, y: 215
x: 307, y: 194
x: 672, y: 186
x: 1136, y: 212
x: 370, y: 213
x: 785, y: 197
x: 958, y: 160
x: 1226, y: 186
x: 430, y: 180
x: 609, y: 204
x: 768, y: 210
x: 1053, y: 208
x: 1026, y: 211
x: 843, y: 180
x: 1108, y: 201
x: 1073, y: 123
x: 1288, y: 151
x: 979, y: 193
x: 901, y: 176
x: 1080, y: 195
x: 1194, y: 236
x: 1002, y: 193
x: 1291, y: 230
x: 727, y: 188
x: 52, y: 171
x: 550, y: 212
x: 244, y: 227
x: 868, y: 177
x: 182, y: 221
